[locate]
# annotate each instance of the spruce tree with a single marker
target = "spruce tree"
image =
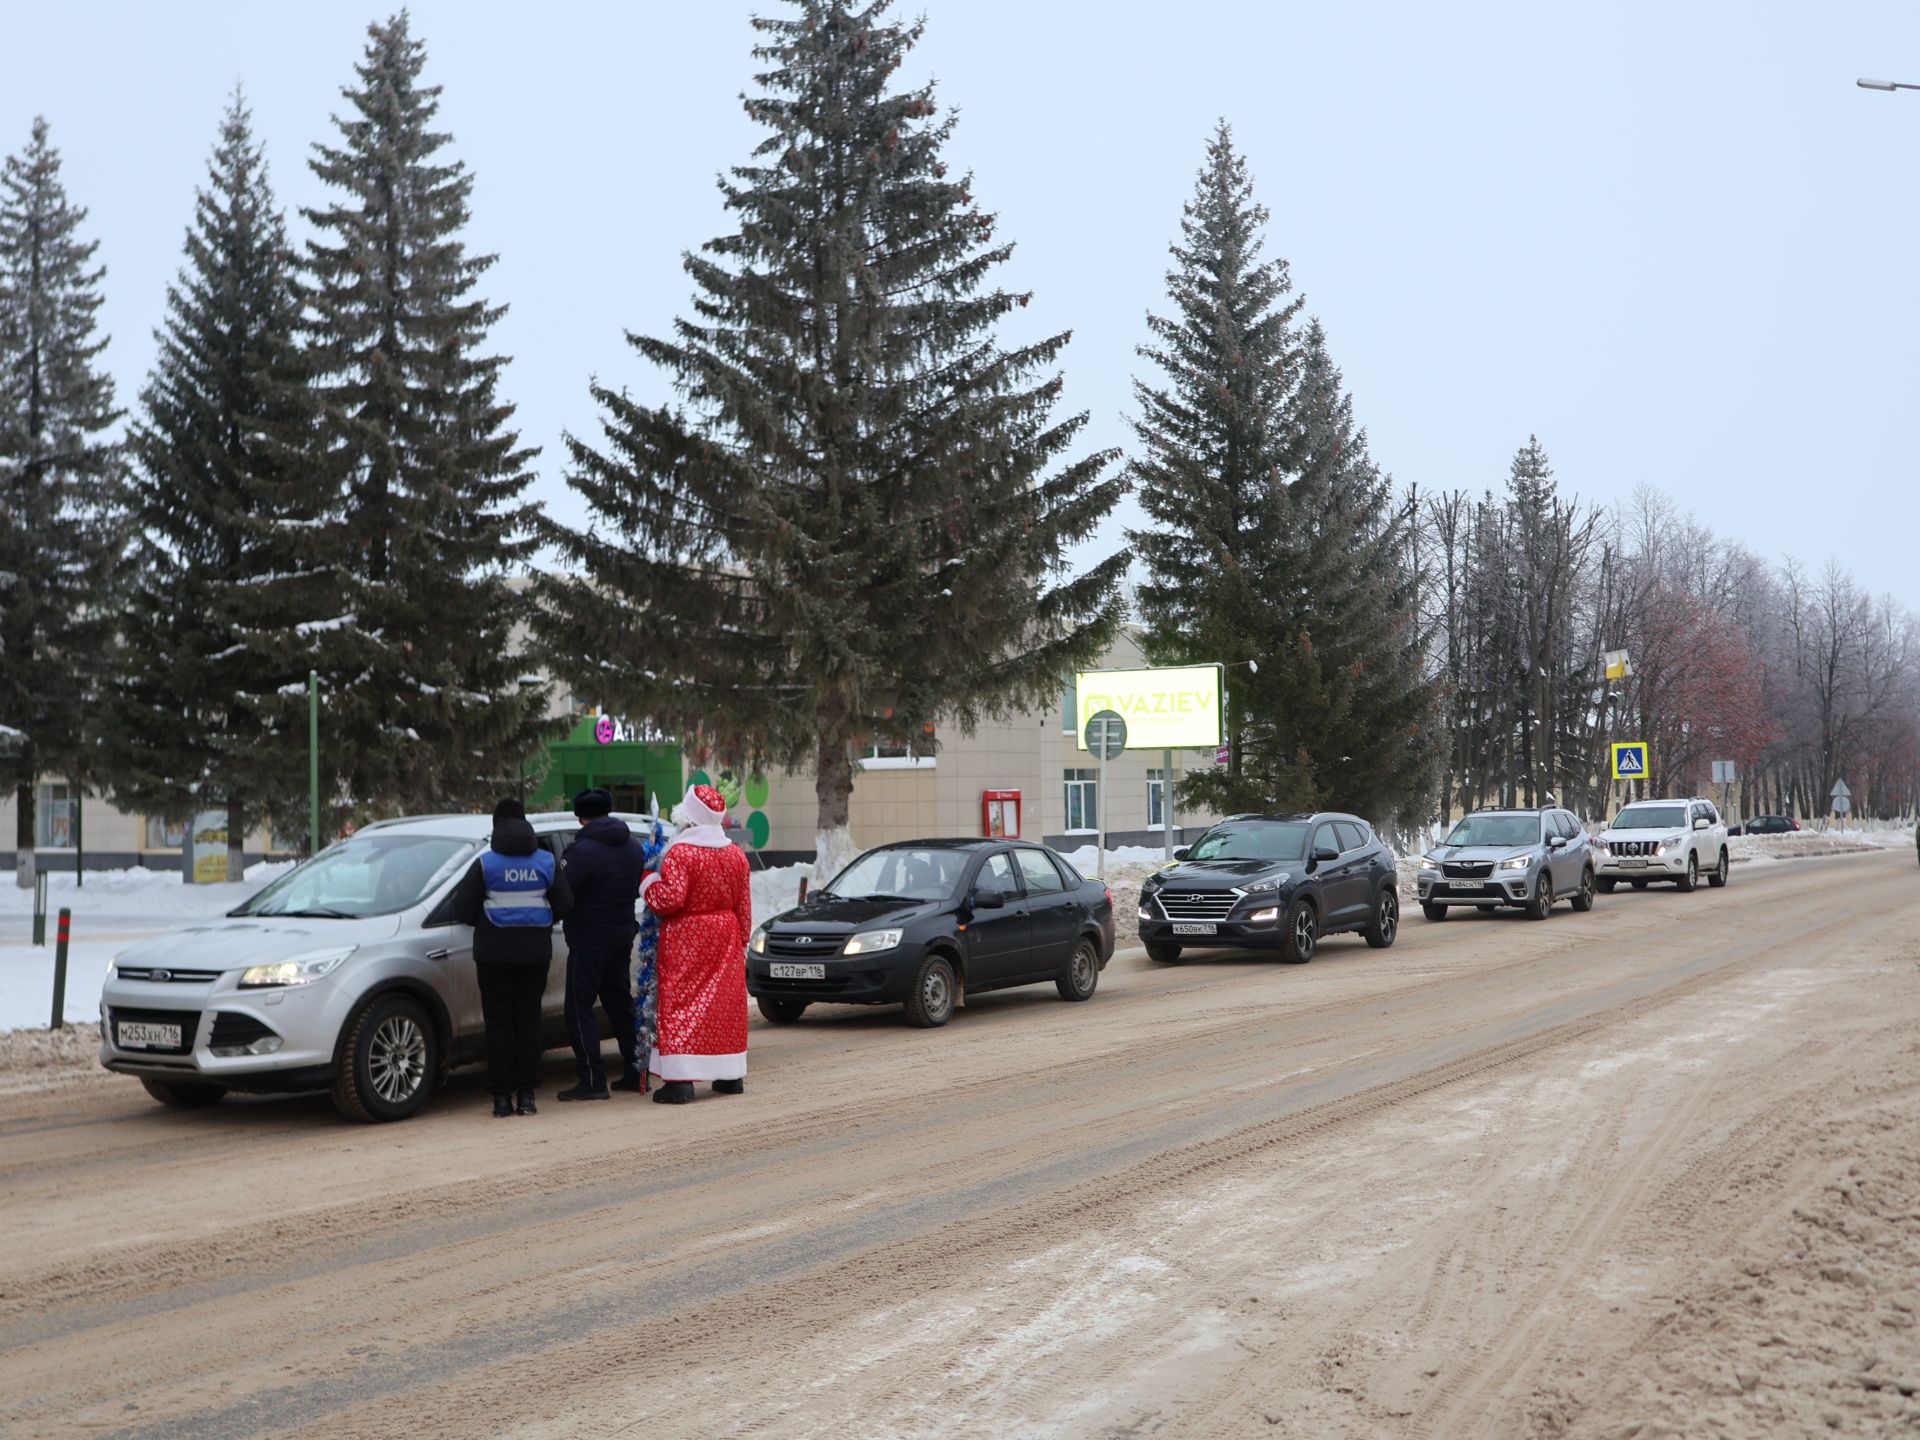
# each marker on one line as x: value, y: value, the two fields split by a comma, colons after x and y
x: 226, y: 500
x: 1277, y: 547
x: 857, y: 526
x: 421, y: 705
x: 60, y: 484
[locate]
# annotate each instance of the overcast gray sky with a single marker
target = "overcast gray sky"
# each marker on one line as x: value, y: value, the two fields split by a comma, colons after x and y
x: 1672, y: 239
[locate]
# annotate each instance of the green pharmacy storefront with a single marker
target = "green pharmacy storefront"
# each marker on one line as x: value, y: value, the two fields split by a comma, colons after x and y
x: 602, y: 750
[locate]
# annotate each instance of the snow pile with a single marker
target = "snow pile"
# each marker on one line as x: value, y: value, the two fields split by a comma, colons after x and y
x: 1800, y: 843
x: 134, y: 892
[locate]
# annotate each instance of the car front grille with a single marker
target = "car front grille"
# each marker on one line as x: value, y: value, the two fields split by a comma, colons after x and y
x: 187, y: 1020
x: 1467, y: 869
x: 808, y: 947
x: 1630, y: 847
x: 1196, y: 904
x: 165, y: 975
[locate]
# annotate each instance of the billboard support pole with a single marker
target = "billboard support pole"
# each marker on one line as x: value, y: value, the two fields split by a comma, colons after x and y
x: 1166, y: 802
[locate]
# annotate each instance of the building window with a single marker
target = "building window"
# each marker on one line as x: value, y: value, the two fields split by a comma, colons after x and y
x: 165, y: 834
x: 889, y: 756
x: 53, y: 817
x: 1156, y: 799
x: 1083, y: 800
x: 1069, y: 704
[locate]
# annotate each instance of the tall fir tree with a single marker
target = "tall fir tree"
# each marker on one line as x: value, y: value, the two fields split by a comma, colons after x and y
x: 422, y: 705
x: 61, y: 531
x: 210, y: 640
x: 1278, y: 549
x: 858, y: 527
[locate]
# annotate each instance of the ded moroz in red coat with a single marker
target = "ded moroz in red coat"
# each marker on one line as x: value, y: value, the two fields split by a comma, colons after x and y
x: 704, y: 898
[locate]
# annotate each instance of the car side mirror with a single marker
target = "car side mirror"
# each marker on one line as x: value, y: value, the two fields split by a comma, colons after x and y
x: 1324, y: 853
x: 988, y: 897
x: 1183, y: 852
x: 1556, y: 842
x: 1702, y: 823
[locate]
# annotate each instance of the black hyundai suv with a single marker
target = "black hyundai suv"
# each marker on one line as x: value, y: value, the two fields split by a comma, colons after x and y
x: 1273, y: 882
x: 927, y: 923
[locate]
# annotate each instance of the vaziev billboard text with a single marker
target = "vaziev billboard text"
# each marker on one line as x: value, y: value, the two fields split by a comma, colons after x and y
x: 1169, y: 708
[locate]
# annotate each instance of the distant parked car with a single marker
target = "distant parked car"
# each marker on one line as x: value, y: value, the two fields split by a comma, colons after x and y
x: 1523, y: 859
x: 1273, y: 882
x: 1767, y: 825
x: 926, y: 922
x: 349, y: 972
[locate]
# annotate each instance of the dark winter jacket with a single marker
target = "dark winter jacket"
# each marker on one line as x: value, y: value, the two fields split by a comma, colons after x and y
x: 515, y: 944
x: 603, y: 869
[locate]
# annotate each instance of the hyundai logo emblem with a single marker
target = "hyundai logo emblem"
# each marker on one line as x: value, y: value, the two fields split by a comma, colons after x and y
x: 160, y: 977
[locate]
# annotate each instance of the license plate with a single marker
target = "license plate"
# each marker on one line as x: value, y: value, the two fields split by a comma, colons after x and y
x: 1466, y: 884
x: 781, y: 971
x: 140, y: 1035
x: 1192, y: 929
x: 1626, y: 864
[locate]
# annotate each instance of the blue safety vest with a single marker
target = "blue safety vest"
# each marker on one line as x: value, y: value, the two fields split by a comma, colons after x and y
x: 517, y: 887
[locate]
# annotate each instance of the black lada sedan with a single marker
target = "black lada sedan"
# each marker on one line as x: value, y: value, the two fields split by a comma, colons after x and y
x: 926, y: 923
x: 1273, y: 882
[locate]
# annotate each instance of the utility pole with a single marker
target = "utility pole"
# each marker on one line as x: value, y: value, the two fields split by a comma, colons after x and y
x: 313, y: 763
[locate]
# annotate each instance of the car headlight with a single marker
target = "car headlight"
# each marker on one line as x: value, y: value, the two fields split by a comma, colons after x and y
x: 1518, y: 862
x: 1272, y: 882
x: 758, y: 944
x: 869, y: 941
x: 1674, y: 840
x: 300, y: 970
x: 1429, y: 862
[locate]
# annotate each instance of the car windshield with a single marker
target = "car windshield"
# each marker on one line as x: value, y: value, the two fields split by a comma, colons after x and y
x: 901, y: 872
x: 1280, y: 840
x: 367, y: 875
x: 1507, y: 830
x: 1651, y: 817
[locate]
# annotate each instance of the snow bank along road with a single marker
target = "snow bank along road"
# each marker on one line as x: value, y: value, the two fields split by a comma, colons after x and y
x: 1657, y: 1167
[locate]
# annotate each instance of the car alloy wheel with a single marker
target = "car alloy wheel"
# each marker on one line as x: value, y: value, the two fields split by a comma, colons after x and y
x: 1718, y: 880
x: 1303, y: 931
x: 1385, y: 924
x: 397, y: 1059
x: 1542, y: 904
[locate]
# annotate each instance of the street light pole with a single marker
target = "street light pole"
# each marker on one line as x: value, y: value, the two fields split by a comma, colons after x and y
x: 1888, y: 85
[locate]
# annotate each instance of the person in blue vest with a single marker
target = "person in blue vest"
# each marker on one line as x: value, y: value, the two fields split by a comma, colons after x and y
x: 511, y: 895
x: 603, y: 869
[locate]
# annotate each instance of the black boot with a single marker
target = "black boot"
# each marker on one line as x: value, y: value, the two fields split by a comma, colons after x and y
x: 526, y: 1106
x: 730, y: 1087
x: 583, y: 1092
x: 629, y: 1082
x: 502, y: 1106
x: 673, y: 1092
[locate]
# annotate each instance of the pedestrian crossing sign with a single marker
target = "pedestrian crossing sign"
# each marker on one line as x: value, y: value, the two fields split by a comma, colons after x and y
x: 1629, y: 759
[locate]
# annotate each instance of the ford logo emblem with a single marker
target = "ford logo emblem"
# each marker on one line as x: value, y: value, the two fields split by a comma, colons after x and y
x: 160, y: 977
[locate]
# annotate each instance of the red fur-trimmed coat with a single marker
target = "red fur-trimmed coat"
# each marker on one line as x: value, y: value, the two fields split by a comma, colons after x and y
x: 704, y: 898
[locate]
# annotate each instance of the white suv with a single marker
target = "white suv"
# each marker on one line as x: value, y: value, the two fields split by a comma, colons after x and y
x: 1666, y: 840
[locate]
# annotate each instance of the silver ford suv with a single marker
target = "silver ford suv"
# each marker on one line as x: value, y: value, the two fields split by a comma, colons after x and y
x: 347, y: 973
x: 1676, y: 841
x: 1526, y: 859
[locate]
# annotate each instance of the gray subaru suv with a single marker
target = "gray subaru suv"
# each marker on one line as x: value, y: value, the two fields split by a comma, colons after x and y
x: 347, y: 973
x: 1524, y: 859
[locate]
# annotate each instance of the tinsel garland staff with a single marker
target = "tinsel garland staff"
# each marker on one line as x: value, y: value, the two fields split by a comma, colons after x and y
x: 645, y: 964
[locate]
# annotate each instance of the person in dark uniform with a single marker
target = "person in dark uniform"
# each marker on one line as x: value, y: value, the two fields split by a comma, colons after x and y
x: 511, y: 895
x: 603, y: 871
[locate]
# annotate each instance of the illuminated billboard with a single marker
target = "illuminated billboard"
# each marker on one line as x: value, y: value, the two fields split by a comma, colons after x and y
x: 1166, y: 708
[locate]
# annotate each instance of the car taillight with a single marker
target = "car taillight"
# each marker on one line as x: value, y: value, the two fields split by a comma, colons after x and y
x: 1109, y: 890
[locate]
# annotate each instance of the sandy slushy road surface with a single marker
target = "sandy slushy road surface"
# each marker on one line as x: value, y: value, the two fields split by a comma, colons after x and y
x: 1651, y: 1171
